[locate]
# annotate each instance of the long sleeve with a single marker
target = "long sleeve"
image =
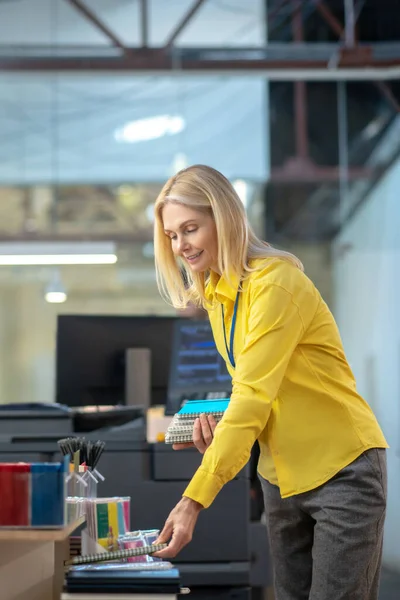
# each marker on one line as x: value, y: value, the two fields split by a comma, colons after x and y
x: 275, y: 327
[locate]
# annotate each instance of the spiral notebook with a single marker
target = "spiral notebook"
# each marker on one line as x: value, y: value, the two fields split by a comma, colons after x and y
x: 115, y: 555
x: 180, y: 430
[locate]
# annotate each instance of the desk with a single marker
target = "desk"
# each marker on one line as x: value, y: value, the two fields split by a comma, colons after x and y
x: 32, y: 562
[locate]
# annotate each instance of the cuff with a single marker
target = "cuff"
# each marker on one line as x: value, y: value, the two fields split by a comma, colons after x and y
x: 203, y: 487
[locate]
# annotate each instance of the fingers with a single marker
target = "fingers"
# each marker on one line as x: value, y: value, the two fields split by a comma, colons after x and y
x: 212, y: 423
x: 179, y: 527
x: 165, y: 534
x: 203, y: 432
x: 206, y: 429
x: 182, y: 446
x: 198, y: 439
x: 179, y: 539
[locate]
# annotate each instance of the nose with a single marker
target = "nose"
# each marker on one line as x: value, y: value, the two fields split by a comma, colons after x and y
x: 181, y: 245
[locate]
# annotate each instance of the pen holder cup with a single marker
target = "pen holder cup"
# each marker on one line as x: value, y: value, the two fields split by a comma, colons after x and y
x: 92, y: 479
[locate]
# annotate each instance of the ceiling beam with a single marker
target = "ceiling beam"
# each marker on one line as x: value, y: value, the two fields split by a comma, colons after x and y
x: 138, y: 61
x: 181, y: 26
x: 144, y: 20
x: 94, y: 19
x: 274, y: 70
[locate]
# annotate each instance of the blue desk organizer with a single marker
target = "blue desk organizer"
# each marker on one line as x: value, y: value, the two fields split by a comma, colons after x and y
x: 48, y: 495
x: 180, y: 430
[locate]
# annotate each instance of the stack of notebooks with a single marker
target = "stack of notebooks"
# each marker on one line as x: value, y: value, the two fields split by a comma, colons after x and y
x: 122, y: 578
x: 75, y: 546
x: 94, y: 574
x: 180, y: 430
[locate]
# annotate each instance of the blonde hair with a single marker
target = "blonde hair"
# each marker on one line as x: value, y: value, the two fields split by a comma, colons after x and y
x: 203, y: 188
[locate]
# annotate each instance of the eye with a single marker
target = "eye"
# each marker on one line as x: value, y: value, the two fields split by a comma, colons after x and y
x: 191, y: 230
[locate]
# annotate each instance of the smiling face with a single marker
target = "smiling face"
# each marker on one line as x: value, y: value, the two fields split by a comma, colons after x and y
x: 193, y: 236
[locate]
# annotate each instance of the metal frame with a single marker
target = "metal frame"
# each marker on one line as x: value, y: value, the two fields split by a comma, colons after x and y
x: 217, y: 62
x: 297, y: 61
x: 94, y: 19
x: 300, y: 168
x: 144, y: 15
x: 284, y: 62
x: 348, y: 32
x: 181, y: 26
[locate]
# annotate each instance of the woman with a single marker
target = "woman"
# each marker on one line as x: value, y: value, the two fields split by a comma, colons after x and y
x: 322, y: 454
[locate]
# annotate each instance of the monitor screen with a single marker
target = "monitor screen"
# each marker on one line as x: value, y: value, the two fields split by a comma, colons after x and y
x: 91, y: 352
x: 197, y: 368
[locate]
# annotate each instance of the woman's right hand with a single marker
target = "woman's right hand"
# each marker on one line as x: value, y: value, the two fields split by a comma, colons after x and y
x: 203, y: 434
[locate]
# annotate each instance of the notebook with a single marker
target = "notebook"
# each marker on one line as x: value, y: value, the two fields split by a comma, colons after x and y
x: 115, y: 555
x: 123, y: 582
x: 180, y: 430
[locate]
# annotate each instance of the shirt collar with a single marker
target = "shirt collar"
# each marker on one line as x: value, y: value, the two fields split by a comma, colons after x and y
x: 220, y: 288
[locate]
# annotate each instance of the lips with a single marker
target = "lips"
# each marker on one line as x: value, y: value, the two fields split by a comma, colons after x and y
x: 193, y: 256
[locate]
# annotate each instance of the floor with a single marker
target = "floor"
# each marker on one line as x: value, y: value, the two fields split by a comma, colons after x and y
x: 389, y: 590
x: 390, y: 586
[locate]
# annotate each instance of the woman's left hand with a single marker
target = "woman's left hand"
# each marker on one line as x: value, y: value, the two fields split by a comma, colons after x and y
x: 179, y: 527
x: 203, y: 434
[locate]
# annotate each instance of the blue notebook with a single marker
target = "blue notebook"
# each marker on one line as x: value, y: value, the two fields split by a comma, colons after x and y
x: 124, y: 582
x: 180, y: 430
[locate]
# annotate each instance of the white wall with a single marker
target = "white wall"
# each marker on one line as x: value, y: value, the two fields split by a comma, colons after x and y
x: 366, y: 271
x: 28, y: 323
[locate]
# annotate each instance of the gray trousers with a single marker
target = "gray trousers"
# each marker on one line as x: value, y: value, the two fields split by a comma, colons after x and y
x: 326, y: 544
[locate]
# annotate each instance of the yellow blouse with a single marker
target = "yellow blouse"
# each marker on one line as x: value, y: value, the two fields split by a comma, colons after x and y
x: 293, y: 389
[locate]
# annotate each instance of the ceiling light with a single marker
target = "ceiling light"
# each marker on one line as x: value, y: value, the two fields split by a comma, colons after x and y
x: 57, y: 259
x: 57, y: 253
x: 55, y: 292
x: 55, y: 297
x: 152, y: 128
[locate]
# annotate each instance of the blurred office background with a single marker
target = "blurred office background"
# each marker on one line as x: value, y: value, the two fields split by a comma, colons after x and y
x: 297, y: 102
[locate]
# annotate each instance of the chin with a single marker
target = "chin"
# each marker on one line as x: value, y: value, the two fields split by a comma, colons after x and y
x: 199, y: 268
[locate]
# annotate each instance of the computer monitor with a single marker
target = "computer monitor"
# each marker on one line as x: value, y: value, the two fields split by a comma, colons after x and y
x: 91, y: 357
x: 197, y: 368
